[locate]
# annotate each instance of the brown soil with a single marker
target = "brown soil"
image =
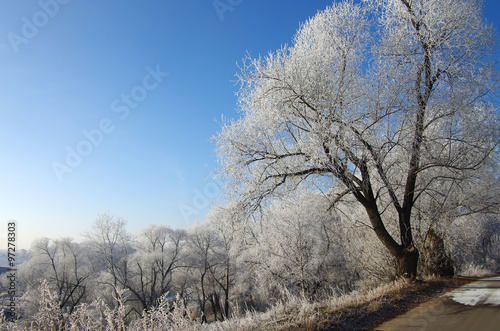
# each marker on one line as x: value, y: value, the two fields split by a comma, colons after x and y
x: 368, y: 316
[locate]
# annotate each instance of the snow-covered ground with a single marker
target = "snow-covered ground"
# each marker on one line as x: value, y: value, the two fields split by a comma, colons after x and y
x: 486, y: 291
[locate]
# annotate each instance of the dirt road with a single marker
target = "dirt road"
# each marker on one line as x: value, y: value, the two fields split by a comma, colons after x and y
x: 475, y: 307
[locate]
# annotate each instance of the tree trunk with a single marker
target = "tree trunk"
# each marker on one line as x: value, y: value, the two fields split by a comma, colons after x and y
x: 203, y: 299
x: 406, y: 254
x: 436, y: 260
x: 215, y: 306
x: 407, y: 262
x: 226, y: 292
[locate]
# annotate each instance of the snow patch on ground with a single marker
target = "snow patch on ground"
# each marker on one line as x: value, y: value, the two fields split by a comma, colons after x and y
x: 486, y: 291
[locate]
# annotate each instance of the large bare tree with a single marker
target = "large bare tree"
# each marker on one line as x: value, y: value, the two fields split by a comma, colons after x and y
x: 386, y: 101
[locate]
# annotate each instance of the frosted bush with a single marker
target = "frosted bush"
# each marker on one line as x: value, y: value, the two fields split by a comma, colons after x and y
x: 474, y: 270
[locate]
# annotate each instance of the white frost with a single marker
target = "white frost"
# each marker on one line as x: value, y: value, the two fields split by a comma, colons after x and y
x: 478, y: 293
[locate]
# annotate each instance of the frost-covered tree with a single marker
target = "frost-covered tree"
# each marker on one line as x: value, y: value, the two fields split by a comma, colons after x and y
x: 475, y: 243
x: 227, y: 226
x: 203, y: 270
x: 112, y: 246
x: 159, y: 253
x: 298, y: 246
x: 144, y: 266
x: 386, y: 101
x: 65, y: 266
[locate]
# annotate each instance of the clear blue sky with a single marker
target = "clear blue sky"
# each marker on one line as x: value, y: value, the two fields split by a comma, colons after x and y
x: 71, y: 67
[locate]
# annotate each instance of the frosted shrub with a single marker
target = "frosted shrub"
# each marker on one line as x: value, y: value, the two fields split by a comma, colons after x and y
x: 88, y: 317
x: 165, y: 316
x: 99, y: 316
x: 474, y: 270
x: 49, y: 315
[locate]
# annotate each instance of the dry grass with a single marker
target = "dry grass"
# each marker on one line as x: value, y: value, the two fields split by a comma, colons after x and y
x: 383, y: 303
x: 355, y: 311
